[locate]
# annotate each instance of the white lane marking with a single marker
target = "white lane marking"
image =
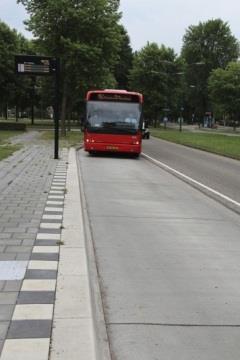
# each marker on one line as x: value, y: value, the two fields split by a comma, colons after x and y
x: 192, y: 180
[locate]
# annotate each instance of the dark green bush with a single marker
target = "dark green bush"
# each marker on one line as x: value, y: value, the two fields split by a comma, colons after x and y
x: 12, y: 126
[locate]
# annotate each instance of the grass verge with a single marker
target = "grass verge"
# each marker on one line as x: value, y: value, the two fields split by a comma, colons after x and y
x: 216, y: 143
x: 6, y: 149
x: 72, y: 138
x: 7, y: 134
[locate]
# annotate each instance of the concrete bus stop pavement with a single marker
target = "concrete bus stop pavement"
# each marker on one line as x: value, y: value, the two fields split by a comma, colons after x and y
x: 45, y: 310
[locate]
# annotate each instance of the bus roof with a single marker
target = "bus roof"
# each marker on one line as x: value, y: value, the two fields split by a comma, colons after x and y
x: 114, y: 91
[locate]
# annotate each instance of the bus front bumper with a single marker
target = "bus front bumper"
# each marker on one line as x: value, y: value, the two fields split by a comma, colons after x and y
x: 121, y: 148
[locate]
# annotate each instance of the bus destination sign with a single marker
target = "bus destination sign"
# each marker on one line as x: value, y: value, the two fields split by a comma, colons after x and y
x: 34, y: 65
x: 118, y: 97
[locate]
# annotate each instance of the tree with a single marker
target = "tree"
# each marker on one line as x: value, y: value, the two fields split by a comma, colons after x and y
x: 154, y: 74
x: 124, y: 63
x: 24, y: 96
x: 86, y: 36
x: 14, y: 91
x: 207, y: 46
x: 8, y: 46
x: 224, y: 90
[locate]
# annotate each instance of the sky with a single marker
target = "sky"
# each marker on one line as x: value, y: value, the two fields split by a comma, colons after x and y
x: 161, y: 21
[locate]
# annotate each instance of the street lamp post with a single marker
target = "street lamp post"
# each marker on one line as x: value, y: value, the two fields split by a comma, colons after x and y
x: 181, y: 118
x: 183, y: 73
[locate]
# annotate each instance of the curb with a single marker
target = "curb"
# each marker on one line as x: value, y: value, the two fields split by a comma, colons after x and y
x: 73, y: 333
x: 102, y: 346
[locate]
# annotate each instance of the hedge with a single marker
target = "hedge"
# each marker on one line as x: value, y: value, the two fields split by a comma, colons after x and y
x: 12, y: 126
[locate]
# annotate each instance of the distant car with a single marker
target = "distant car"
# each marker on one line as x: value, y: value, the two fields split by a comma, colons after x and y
x: 145, y: 130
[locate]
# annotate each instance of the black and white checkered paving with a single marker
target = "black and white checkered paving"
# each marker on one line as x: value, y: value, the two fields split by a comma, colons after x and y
x: 29, y: 333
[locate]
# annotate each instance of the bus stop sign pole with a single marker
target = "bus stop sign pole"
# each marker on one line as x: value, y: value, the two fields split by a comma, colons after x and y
x: 42, y: 66
x: 56, y: 109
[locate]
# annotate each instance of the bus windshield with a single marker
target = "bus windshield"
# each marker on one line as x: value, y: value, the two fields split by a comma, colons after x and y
x: 113, y: 117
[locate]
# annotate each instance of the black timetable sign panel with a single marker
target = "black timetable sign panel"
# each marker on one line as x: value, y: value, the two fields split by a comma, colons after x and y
x: 35, y: 65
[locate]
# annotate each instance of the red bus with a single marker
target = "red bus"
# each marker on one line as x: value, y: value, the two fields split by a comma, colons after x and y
x: 113, y: 122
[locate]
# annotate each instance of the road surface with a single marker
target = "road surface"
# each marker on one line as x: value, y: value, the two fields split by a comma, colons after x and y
x: 218, y: 172
x: 168, y: 259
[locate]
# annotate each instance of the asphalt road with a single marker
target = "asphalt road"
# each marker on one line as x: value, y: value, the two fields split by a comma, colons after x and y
x: 218, y: 172
x: 168, y: 259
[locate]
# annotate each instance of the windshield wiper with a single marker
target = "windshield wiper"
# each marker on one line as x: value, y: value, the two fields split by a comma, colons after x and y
x: 108, y: 124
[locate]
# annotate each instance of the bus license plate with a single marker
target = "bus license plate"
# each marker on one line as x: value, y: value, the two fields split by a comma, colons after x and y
x: 111, y: 147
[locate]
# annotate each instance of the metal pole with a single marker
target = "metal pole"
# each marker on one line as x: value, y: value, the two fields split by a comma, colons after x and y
x: 180, y: 122
x: 32, y: 100
x: 56, y: 109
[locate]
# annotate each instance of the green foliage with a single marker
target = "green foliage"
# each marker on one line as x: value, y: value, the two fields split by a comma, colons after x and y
x: 207, y: 46
x: 8, y: 46
x: 224, y: 89
x: 85, y: 34
x: 6, y: 149
x: 216, y: 143
x: 5, y: 135
x: 73, y: 138
x: 124, y: 63
x: 154, y: 74
x: 5, y: 125
x: 13, y: 89
x: 210, y: 42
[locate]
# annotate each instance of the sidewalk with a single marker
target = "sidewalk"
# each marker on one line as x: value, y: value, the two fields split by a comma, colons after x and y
x: 45, y: 310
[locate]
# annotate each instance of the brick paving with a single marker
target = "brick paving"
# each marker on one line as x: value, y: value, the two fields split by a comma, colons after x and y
x: 25, y: 180
x: 45, y: 307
